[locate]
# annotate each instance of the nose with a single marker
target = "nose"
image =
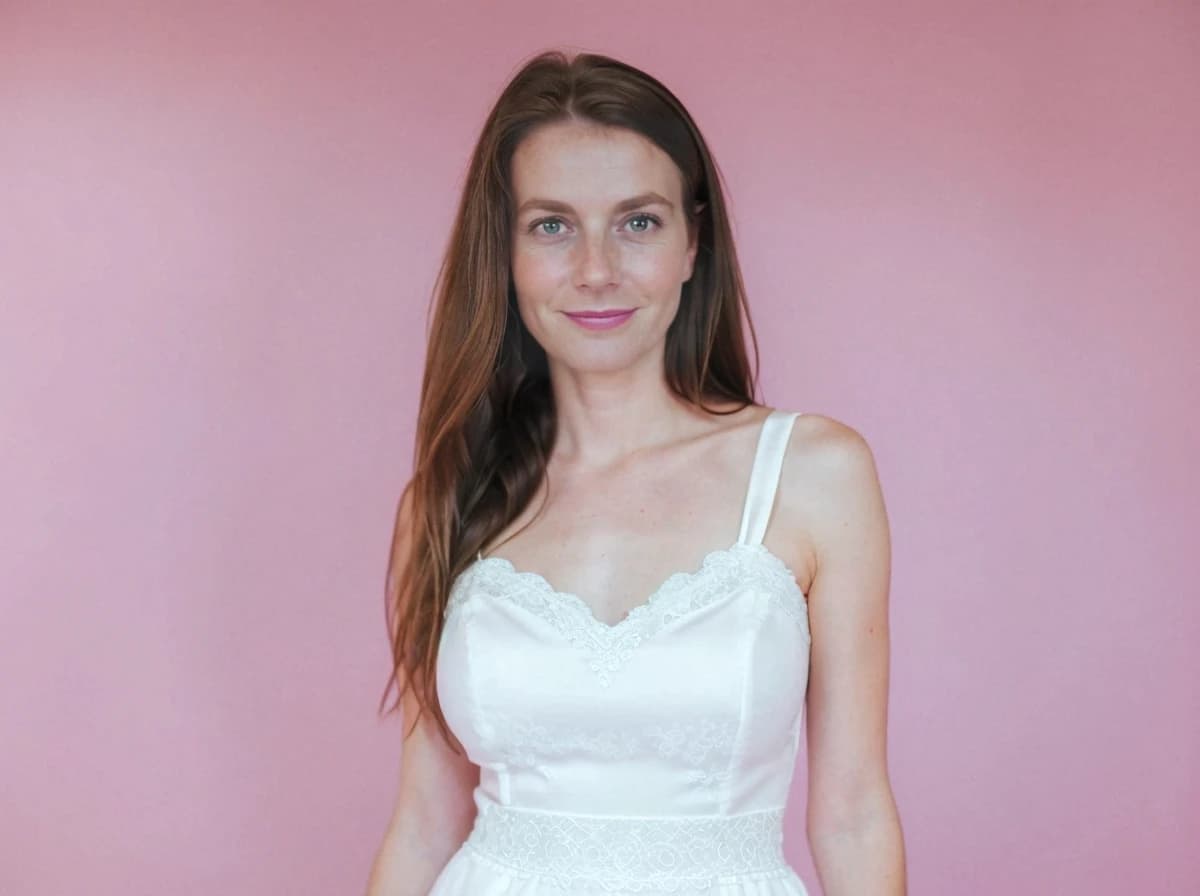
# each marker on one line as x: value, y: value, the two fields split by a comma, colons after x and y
x: 598, y: 261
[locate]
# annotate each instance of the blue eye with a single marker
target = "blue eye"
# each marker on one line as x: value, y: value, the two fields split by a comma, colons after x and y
x: 645, y: 217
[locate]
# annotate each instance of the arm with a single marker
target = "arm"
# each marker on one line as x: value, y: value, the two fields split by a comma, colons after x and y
x: 853, y: 825
x: 433, y: 815
x: 434, y: 809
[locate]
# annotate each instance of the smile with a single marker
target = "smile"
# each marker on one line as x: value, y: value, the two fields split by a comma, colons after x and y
x: 601, y: 320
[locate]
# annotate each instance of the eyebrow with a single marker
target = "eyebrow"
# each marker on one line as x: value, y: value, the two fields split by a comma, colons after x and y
x: 553, y: 205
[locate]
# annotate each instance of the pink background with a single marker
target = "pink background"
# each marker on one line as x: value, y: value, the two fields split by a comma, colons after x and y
x: 968, y: 231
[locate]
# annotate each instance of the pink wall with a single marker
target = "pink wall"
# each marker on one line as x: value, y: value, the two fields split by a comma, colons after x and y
x: 971, y: 233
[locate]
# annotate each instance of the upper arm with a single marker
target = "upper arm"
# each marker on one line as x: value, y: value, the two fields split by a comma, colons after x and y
x: 848, y: 617
x: 434, y: 808
x: 434, y: 799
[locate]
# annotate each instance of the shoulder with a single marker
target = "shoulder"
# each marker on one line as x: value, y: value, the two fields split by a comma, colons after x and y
x: 821, y: 444
x: 829, y: 488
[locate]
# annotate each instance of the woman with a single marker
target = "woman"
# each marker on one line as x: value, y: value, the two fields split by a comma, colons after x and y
x: 588, y: 420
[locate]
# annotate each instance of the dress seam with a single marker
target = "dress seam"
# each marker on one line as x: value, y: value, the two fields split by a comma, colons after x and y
x: 737, y: 753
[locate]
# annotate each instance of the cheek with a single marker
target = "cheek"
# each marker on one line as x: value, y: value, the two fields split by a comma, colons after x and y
x: 649, y: 262
x: 655, y: 272
x: 531, y: 268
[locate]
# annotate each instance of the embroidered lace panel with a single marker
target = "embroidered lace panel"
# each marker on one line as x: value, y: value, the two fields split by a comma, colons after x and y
x: 739, y: 568
x: 704, y: 746
x: 630, y: 854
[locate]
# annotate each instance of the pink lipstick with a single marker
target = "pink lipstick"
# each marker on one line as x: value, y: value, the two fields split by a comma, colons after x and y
x: 601, y: 320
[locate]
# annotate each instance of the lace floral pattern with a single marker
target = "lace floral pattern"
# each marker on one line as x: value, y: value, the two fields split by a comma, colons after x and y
x: 630, y: 854
x: 528, y: 745
x: 704, y: 747
x: 741, y: 567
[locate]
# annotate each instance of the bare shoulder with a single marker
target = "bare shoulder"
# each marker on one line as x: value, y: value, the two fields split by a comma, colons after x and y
x: 835, y: 451
x: 829, y: 491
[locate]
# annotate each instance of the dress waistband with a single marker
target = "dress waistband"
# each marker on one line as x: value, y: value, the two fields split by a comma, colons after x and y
x: 629, y: 853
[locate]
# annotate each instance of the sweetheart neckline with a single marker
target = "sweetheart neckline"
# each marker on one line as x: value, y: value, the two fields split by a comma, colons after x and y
x: 646, y: 606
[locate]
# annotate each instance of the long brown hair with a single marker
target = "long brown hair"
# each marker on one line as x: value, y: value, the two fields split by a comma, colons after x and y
x: 486, y: 424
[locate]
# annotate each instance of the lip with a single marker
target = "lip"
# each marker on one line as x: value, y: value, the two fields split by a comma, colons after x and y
x: 601, y: 320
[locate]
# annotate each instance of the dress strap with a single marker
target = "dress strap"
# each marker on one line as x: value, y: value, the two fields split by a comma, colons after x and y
x: 764, y: 475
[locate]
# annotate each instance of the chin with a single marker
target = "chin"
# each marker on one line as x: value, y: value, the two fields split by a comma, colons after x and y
x: 613, y: 359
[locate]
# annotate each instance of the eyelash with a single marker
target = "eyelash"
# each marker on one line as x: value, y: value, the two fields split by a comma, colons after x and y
x: 540, y: 221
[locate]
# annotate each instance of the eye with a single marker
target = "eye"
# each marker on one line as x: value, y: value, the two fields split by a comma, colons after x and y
x: 644, y: 217
x: 557, y: 222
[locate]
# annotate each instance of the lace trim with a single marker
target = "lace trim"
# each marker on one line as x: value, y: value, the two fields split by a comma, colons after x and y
x: 609, y: 647
x: 629, y: 854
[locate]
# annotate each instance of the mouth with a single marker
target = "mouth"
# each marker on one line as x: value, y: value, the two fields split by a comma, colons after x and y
x: 601, y: 320
x: 608, y: 312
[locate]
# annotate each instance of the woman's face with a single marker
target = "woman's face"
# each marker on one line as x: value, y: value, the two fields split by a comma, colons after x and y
x: 598, y: 228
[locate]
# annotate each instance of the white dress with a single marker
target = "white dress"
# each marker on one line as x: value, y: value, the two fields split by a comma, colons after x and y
x: 650, y: 756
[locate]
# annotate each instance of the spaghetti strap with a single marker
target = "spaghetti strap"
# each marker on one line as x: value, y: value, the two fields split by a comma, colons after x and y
x: 764, y: 475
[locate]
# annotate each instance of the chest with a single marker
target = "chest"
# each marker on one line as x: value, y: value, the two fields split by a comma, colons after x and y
x: 527, y: 678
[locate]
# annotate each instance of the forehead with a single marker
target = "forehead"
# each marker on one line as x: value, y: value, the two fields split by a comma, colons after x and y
x: 581, y: 162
